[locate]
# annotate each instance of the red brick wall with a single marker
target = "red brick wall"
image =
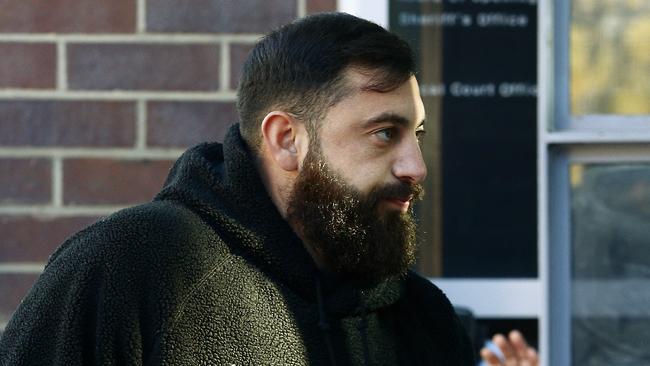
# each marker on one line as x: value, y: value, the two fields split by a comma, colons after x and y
x: 97, y: 99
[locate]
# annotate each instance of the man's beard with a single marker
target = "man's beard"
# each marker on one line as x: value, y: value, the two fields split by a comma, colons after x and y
x: 345, y: 228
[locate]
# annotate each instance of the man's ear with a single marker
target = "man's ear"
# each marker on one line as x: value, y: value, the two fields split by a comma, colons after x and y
x: 279, y: 133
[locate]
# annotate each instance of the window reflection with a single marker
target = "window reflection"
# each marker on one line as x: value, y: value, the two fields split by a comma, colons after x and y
x: 610, y: 207
x: 610, y: 57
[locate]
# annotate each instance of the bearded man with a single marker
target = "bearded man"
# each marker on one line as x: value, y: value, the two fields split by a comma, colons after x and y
x: 288, y: 244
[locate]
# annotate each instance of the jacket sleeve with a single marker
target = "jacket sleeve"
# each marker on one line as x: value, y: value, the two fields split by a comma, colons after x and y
x: 83, y: 310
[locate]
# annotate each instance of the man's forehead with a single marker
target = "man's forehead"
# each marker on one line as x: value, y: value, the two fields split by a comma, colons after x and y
x: 372, y: 80
x: 360, y: 81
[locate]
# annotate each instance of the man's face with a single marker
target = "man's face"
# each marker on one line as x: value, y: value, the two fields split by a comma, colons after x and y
x: 352, y: 198
x: 371, y: 138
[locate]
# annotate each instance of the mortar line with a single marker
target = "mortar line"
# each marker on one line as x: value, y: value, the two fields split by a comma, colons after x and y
x: 21, y: 267
x: 132, y: 37
x: 117, y: 95
x: 50, y: 211
x: 57, y: 181
x: 301, y: 8
x: 117, y: 153
x: 141, y: 125
x: 61, y: 65
x: 141, y: 22
x: 224, y: 75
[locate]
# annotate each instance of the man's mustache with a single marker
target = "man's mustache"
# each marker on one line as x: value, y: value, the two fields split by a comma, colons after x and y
x: 400, y: 190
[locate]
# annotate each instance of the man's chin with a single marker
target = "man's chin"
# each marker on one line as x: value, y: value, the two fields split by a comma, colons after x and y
x: 377, y: 271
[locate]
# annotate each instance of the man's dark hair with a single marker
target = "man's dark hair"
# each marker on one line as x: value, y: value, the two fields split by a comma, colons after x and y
x: 299, y: 68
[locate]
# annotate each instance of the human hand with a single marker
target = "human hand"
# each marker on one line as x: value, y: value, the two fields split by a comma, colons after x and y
x: 514, y: 351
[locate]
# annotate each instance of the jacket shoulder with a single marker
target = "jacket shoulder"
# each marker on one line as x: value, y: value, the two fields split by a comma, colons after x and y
x: 120, y: 278
x: 146, y: 234
x: 160, y: 248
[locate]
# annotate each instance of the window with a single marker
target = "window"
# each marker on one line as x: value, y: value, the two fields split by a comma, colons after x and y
x: 610, y: 267
x: 594, y: 181
x: 610, y: 57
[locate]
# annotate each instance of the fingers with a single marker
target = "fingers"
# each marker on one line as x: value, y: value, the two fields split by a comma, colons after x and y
x: 506, y: 348
x: 493, y: 353
x: 526, y: 354
x: 531, y: 355
x: 519, y: 344
x: 511, y: 351
x: 490, y: 358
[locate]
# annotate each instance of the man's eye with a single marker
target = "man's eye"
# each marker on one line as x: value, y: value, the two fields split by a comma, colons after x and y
x: 385, y: 134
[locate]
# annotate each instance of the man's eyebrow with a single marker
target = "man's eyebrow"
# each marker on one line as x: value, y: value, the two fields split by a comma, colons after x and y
x: 390, y: 117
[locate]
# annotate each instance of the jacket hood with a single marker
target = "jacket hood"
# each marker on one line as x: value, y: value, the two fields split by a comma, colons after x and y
x: 220, y: 182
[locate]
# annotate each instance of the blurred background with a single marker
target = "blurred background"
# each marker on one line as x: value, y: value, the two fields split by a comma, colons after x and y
x: 537, y: 213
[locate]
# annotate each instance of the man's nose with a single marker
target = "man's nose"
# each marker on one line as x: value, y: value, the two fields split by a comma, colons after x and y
x: 409, y: 165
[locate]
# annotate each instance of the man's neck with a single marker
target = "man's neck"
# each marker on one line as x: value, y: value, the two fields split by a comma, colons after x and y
x: 276, y: 182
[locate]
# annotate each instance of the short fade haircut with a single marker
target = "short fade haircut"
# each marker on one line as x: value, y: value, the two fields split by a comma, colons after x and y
x: 299, y: 68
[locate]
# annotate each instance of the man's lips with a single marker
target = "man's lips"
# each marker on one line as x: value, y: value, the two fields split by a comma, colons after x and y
x: 400, y: 202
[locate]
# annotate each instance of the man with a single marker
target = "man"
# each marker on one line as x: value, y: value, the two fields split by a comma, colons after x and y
x: 287, y: 245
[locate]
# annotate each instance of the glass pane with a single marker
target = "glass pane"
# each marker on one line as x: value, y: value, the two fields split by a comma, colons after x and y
x: 610, y: 57
x: 610, y: 285
x: 477, y: 72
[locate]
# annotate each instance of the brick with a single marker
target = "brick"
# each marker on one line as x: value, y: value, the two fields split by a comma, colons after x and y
x: 27, y: 65
x: 68, y: 16
x: 238, y: 54
x: 251, y: 16
x: 66, y: 123
x: 143, y: 66
x: 183, y: 124
x: 318, y: 6
x: 13, y: 288
x: 25, y: 181
x: 34, y: 239
x: 114, y: 182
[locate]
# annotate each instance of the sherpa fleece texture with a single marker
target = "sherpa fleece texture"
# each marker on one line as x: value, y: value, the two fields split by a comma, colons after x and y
x: 210, y: 274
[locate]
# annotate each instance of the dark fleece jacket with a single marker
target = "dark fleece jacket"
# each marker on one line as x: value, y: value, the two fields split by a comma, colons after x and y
x: 209, y: 273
